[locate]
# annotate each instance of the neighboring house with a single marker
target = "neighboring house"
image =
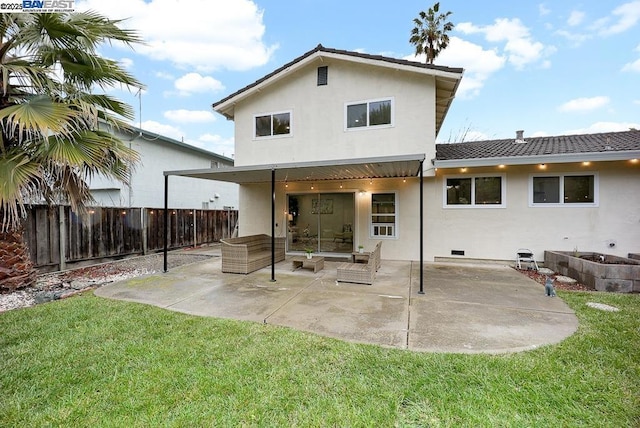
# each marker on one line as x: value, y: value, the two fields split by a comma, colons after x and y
x: 146, y: 188
x: 347, y: 140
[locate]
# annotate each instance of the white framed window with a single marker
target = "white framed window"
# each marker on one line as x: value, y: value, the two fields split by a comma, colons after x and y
x: 369, y: 114
x: 579, y: 189
x: 475, y: 191
x: 384, y: 215
x: 270, y: 125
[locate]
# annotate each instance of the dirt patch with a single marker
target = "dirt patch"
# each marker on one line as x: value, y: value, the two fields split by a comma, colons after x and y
x: 542, y: 278
x: 60, y: 285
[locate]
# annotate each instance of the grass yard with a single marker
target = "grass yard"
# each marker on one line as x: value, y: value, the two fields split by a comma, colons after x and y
x: 92, y: 362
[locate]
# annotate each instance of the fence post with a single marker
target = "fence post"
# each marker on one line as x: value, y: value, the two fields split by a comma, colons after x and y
x: 195, y: 230
x: 145, y: 232
x: 62, y: 230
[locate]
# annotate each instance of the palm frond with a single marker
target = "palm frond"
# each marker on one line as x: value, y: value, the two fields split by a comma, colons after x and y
x: 20, y: 177
x: 37, y: 116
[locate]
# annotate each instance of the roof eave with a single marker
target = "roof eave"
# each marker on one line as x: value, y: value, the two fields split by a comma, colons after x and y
x: 537, y: 159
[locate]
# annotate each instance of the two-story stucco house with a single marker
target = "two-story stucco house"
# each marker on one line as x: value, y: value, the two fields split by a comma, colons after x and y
x: 337, y: 149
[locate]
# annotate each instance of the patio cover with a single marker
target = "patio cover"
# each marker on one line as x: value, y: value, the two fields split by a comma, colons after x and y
x: 399, y: 166
x: 341, y: 169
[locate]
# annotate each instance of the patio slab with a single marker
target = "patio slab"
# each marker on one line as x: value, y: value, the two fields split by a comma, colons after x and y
x: 465, y: 309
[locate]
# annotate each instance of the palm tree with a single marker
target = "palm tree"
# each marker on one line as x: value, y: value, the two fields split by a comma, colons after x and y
x: 50, y: 141
x: 430, y: 33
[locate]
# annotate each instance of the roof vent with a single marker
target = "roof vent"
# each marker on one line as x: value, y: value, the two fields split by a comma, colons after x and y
x: 520, y: 137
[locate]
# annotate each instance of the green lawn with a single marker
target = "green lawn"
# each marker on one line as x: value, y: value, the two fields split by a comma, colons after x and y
x: 92, y: 362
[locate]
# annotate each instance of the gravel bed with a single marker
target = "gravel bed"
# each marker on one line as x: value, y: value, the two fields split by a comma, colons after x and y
x: 59, y: 285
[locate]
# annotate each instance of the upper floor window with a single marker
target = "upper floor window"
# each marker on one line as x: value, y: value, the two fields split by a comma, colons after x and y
x: 474, y: 191
x: 563, y: 189
x: 371, y: 113
x: 323, y: 75
x: 268, y: 125
x: 384, y: 215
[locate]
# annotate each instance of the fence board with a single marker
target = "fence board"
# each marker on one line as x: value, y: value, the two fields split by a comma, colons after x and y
x: 110, y: 232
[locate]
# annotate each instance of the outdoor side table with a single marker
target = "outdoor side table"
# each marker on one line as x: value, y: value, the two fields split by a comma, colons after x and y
x: 315, y: 262
x: 358, y: 257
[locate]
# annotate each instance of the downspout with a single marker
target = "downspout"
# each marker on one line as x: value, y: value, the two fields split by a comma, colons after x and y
x: 166, y: 220
x: 421, y: 229
x: 273, y: 225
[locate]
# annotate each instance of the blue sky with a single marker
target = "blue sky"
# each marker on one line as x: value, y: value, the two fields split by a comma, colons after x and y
x: 548, y: 68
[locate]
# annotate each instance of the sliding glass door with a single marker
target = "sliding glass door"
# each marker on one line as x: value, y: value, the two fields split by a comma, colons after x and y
x: 323, y: 222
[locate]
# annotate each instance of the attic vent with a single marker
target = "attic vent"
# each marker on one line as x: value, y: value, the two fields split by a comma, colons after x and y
x: 519, y: 137
x: 323, y: 75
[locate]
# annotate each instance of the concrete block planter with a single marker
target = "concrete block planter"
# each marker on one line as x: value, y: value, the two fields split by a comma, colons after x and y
x: 602, y: 272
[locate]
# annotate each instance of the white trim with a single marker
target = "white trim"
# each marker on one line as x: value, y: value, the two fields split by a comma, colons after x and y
x: 561, y: 203
x: 621, y: 155
x: 367, y: 102
x: 396, y: 215
x: 472, y: 204
x: 272, y: 136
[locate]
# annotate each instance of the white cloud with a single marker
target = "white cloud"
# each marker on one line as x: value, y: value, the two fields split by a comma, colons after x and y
x: 189, y: 116
x: 479, y: 64
x: 164, y: 75
x: 604, y: 127
x: 636, y: 102
x: 519, y: 46
x: 195, y: 83
x: 523, y: 51
x: 216, y: 144
x: 126, y: 63
x: 576, y: 38
x: 632, y: 66
x: 624, y: 17
x: 584, y: 104
x: 503, y: 29
x: 543, y: 9
x: 575, y: 18
x: 163, y: 129
x: 202, y: 34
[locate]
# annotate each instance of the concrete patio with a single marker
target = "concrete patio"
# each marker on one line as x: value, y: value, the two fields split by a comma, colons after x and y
x: 465, y: 308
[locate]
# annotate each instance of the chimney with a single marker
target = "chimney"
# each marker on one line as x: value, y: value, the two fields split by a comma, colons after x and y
x: 520, y: 137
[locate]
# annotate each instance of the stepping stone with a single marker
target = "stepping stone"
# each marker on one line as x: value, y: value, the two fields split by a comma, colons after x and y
x: 546, y: 271
x: 602, y: 307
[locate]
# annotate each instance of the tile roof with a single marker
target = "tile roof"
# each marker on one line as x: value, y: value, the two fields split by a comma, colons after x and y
x: 541, y: 146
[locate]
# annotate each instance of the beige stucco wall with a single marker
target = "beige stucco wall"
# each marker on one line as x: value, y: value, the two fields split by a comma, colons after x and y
x: 318, y: 122
x: 255, y: 212
x: 483, y: 233
x: 496, y: 233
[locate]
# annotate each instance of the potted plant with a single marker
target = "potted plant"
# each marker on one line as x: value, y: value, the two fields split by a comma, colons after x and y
x: 361, y: 249
x: 309, y: 252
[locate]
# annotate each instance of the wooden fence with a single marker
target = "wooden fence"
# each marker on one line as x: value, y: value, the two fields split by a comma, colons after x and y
x: 117, y: 232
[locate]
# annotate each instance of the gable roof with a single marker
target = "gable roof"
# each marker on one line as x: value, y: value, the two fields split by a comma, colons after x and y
x: 447, y: 78
x: 151, y: 137
x: 563, y: 148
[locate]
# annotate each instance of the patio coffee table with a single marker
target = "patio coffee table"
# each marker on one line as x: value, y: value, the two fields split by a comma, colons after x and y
x: 315, y: 262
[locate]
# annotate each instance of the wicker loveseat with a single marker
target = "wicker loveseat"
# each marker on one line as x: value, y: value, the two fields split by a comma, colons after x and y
x: 249, y: 253
x: 359, y: 272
